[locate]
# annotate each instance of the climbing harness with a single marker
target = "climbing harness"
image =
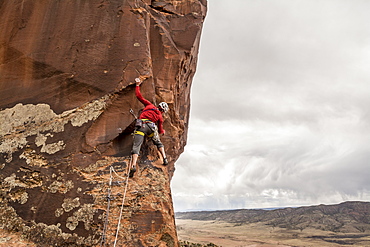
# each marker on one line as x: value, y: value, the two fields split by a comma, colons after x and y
x: 140, y: 122
x: 151, y: 109
x: 109, y: 198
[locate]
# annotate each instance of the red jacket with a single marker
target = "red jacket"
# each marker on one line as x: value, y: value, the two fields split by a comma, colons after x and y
x: 150, y: 111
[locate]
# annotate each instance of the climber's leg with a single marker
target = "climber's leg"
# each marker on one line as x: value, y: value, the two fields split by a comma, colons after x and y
x: 161, y: 150
x: 133, y: 164
x: 138, y: 141
x: 157, y: 141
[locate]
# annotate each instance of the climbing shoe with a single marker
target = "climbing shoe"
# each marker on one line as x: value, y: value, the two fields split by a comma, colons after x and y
x: 165, y: 161
x: 132, y: 171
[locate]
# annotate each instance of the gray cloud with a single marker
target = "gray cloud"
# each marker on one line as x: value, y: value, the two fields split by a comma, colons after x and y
x: 280, y: 106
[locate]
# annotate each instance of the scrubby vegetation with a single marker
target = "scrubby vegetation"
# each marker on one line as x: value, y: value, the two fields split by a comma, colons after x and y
x: 188, y: 244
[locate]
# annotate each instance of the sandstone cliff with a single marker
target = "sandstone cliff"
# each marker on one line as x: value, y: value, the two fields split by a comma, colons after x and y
x: 67, y: 72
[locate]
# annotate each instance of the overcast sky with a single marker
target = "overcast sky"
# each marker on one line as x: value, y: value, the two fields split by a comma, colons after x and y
x: 280, y: 112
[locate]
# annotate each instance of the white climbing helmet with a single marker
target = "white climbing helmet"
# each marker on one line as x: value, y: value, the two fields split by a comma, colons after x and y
x: 163, y: 106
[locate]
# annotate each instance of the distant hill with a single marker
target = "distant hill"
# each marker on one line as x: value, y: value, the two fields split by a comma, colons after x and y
x: 347, y: 217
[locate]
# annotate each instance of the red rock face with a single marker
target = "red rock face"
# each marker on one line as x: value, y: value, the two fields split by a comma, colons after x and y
x: 67, y: 71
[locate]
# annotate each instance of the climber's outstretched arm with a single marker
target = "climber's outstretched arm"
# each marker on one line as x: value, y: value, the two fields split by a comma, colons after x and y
x: 138, y: 93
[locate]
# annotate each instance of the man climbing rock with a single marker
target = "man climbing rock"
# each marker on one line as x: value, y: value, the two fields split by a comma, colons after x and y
x: 146, y: 125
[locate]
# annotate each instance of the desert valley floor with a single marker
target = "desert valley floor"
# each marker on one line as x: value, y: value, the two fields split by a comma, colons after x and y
x: 260, y: 235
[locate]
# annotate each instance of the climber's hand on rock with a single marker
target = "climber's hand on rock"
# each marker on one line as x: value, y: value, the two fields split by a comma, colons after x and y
x: 138, y: 81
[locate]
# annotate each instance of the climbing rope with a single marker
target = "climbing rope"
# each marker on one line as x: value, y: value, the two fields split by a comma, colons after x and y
x: 123, y: 201
x: 109, y: 198
x: 117, y: 174
x: 102, y: 244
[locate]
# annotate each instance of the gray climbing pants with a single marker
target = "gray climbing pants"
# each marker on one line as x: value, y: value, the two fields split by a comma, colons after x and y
x: 149, y: 129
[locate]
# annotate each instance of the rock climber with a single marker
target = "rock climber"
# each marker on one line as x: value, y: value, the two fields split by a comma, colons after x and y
x: 146, y: 124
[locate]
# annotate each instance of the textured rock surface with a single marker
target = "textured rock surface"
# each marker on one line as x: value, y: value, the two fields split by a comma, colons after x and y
x: 67, y: 72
